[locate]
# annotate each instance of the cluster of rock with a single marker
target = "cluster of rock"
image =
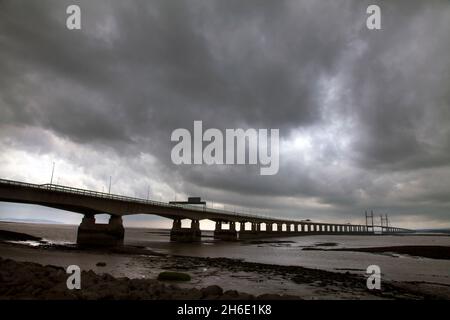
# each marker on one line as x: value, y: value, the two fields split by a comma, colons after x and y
x: 27, y: 280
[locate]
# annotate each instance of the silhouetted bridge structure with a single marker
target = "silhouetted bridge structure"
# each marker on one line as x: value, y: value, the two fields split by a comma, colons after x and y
x: 90, y: 203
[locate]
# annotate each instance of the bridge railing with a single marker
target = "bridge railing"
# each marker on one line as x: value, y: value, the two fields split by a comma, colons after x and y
x: 97, y: 194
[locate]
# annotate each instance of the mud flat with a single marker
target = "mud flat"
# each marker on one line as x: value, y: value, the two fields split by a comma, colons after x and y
x: 111, y: 275
x: 28, y: 280
x: 432, y: 252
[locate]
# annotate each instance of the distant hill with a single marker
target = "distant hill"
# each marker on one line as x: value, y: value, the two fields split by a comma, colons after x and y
x: 444, y: 230
x: 31, y: 221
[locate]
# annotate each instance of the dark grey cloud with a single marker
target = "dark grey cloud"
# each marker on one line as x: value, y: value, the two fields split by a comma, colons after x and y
x: 371, y: 109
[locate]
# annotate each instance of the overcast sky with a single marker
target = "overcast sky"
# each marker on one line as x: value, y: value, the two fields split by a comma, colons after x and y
x: 364, y: 115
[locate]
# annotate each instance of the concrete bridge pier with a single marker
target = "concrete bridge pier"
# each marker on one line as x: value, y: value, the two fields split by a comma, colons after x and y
x: 279, y: 227
x: 92, y: 234
x: 254, y: 232
x: 226, y: 234
x: 179, y: 234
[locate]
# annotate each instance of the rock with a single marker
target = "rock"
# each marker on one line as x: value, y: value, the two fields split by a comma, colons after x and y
x: 211, y: 292
x: 289, y: 297
x: 245, y: 296
x: 190, y: 294
x: 173, y: 276
x: 230, y: 295
x: 269, y: 296
x: 101, y: 264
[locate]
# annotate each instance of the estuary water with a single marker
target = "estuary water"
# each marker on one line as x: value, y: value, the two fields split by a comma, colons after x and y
x: 280, y: 251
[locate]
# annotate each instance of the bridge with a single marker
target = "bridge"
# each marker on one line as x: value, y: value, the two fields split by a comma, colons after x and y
x: 90, y: 203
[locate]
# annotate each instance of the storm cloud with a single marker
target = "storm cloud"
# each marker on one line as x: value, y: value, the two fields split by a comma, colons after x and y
x: 364, y: 115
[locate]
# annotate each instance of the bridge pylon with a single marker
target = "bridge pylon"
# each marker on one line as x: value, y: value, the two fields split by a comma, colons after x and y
x: 93, y: 234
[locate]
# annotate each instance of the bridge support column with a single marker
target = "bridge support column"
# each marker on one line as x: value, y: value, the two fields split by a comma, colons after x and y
x: 226, y: 235
x: 279, y: 227
x: 92, y: 234
x: 176, y: 224
x: 249, y: 234
x: 180, y: 234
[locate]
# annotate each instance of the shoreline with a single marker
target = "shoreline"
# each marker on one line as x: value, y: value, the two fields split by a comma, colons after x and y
x: 48, y: 282
x: 128, y: 266
x: 324, y: 284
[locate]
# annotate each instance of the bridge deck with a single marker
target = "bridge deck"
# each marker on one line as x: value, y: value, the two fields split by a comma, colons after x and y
x: 80, y: 200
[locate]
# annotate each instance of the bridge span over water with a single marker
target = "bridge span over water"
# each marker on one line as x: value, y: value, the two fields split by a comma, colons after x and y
x: 90, y: 203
